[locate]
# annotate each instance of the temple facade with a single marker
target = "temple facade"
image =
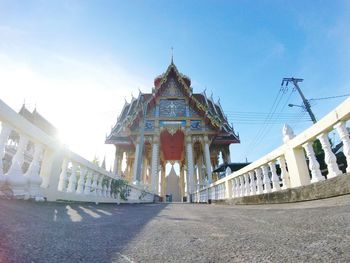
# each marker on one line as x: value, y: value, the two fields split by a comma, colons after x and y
x: 171, y: 125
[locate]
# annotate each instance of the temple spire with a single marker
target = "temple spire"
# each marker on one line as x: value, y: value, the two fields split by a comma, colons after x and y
x: 172, y: 55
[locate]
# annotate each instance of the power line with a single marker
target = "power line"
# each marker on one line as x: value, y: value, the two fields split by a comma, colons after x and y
x: 331, y: 97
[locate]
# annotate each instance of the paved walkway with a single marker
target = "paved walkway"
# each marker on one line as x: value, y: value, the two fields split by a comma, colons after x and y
x: 317, y: 231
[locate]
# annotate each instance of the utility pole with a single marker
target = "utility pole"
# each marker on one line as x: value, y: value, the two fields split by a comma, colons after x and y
x: 306, y: 103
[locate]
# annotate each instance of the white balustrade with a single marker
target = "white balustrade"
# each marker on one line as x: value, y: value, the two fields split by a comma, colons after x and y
x: 344, y: 136
x: 284, y: 173
x: 246, y: 185
x: 329, y: 156
x: 62, y: 184
x: 259, y: 182
x: 80, y: 188
x: 274, y: 177
x: 4, y: 135
x: 15, y: 177
x: 266, y: 179
x: 314, y: 166
x: 87, y: 187
x: 72, y: 179
x: 252, y: 183
x: 32, y: 174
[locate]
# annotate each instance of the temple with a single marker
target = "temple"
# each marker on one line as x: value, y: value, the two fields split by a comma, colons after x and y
x: 171, y: 125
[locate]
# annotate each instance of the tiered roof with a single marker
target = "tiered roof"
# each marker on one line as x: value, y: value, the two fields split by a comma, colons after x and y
x: 206, y: 107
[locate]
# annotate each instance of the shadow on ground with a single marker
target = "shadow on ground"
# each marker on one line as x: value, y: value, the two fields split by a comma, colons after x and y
x: 69, y: 232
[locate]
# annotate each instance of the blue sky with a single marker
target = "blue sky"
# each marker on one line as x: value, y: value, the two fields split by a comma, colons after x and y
x: 78, y: 60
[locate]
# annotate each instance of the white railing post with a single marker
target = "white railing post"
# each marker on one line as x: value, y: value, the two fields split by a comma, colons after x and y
x: 252, y: 183
x: 266, y: 179
x: 72, y: 179
x: 329, y: 156
x: 236, y: 187
x: 4, y: 135
x: 274, y: 177
x: 32, y: 174
x: 14, y: 177
x: 314, y: 166
x: 81, y: 182
x: 246, y: 185
x: 259, y: 182
x: 344, y: 136
x: 99, y: 186
x: 284, y: 173
x: 87, y: 187
x: 94, y: 184
x: 62, y: 184
x: 241, y: 186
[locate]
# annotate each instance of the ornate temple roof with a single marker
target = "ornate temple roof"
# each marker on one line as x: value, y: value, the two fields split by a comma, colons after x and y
x: 211, y: 111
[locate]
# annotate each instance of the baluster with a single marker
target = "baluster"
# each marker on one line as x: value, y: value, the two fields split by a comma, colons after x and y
x: 266, y: 179
x: 252, y: 183
x: 81, y: 182
x: 87, y: 188
x: 62, y: 184
x: 99, y: 186
x: 314, y: 166
x: 94, y: 184
x: 234, y: 187
x: 284, y: 173
x: 344, y: 136
x: 329, y: 156
x: 274, y: 177
x: 259, y: 182
x: 109, y: 194
x: 14, y: 176
x: 4, y: 136
x: 72, y: 179
x: 246, y: 185
x: 241, y: 186
x: 32, y: 174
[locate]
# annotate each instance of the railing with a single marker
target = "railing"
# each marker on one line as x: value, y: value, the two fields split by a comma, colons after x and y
x: 292, y: 165
x: 35, y: 165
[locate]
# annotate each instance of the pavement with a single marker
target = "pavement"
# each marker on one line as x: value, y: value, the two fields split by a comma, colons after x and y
x: 315, y: 231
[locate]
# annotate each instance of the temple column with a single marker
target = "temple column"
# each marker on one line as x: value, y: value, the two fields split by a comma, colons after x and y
x: 207, y: 159
x: 182, y: 183
x: 154, y: 164
x: 136, y: 172
x: 162, y: 183
x: 144, y: 170
x: 118, y: 161
x: 190, y: 168
x: 200, y: 172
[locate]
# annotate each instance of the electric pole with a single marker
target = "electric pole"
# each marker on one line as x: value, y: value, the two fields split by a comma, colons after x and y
x: 306, y: 103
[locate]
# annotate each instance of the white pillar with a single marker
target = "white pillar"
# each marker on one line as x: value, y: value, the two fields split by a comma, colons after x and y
x: 154, y: 165
x: 284, y: 173
x: 94, y: 185
x: 190, y: 170
x: 329, y: 156
x: 259, y: 182
x: 87, y: 187
x: 80, y: 188
x: 72, y: 179
x: 344, y: 136
x: 32, y: 174
x: 266, y: 179
x: 241, y: 186
x: 246, y: 185
x: 314, y: 166
x: 4, y: 135
x: 99, y: 186
x: 274, y: 177
x: 207, y: 159
x: 135, y: 172
x: 62, y: 184
x: 252, y: 183
x: 14, y: 176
